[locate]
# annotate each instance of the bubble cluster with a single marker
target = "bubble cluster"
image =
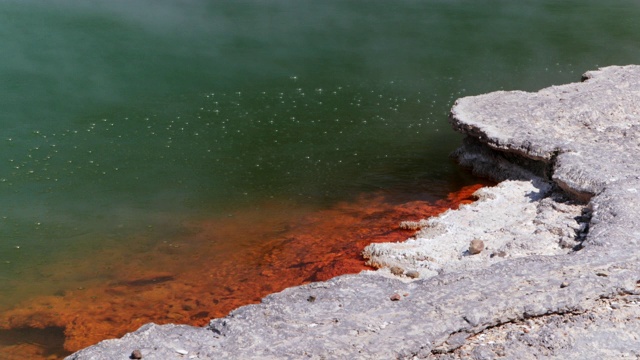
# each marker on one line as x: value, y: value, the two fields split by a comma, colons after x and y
x: 207, y: 152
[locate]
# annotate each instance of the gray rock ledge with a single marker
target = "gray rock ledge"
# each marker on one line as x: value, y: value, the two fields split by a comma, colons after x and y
x: 543, y: 294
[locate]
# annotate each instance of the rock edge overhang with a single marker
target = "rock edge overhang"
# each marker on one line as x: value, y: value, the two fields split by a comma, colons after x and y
x: 588, y: 132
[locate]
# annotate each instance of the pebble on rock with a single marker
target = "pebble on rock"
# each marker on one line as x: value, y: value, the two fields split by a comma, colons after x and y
x: 396, y: 297
x: 396, y: 270
x: 414, y: 274
x: 136, y: 354
x: 476, y: 246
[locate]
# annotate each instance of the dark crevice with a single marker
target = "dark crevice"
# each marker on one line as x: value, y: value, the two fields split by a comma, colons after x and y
x: 467, y: 333
x: 551, y: 166
x: 581, y: 233
x: 500, y: 165
x: 631, y: 296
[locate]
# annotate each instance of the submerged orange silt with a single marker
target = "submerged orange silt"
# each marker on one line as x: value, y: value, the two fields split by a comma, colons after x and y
x: 215, y: 266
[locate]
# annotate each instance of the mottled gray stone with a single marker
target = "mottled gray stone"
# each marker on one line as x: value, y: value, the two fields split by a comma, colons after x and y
x: 587, y: 131
x: 580, y: 137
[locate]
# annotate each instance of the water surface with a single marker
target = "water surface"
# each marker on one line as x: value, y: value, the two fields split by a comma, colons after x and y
x: 124, y: 123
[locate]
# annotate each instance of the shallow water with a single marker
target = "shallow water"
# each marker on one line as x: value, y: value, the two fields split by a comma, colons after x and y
x: 124, y: 124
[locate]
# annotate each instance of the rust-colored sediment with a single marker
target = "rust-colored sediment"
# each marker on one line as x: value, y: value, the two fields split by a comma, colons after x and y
x: 216, y: 266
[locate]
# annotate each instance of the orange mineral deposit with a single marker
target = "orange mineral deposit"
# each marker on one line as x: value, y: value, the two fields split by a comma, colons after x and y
x: 210, y: 268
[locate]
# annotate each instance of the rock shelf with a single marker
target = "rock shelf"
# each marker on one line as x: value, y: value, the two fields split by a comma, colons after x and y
x: 557, y: 276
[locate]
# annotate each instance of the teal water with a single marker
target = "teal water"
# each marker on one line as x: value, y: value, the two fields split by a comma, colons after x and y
x: 129, y: 117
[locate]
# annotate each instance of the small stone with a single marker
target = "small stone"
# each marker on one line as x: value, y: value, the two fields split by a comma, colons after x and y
x: 396, y: 297
x: 564, y: 284
x: 182, y: 351
x: 476, y: 246
x: 311, y: 298
x: 396, y: 270
x: 615, y: 306
x: 414, y: 274
x: 136, y: 354
x: 530, y: 323
x: 482, y: 353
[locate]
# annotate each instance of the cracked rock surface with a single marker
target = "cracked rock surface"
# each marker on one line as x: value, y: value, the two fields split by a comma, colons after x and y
x: 566, y: 286
x: 609, y: 330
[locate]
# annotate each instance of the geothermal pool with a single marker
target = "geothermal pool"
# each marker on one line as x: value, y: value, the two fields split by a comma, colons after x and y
x: 168, y: 162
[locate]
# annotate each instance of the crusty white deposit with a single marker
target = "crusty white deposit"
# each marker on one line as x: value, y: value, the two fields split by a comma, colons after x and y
x: 514, y: 219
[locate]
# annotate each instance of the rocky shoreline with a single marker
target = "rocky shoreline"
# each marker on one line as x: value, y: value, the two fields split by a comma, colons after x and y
x: 556, y: 275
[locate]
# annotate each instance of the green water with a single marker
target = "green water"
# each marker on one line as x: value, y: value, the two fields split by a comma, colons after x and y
x: 122, y: 117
